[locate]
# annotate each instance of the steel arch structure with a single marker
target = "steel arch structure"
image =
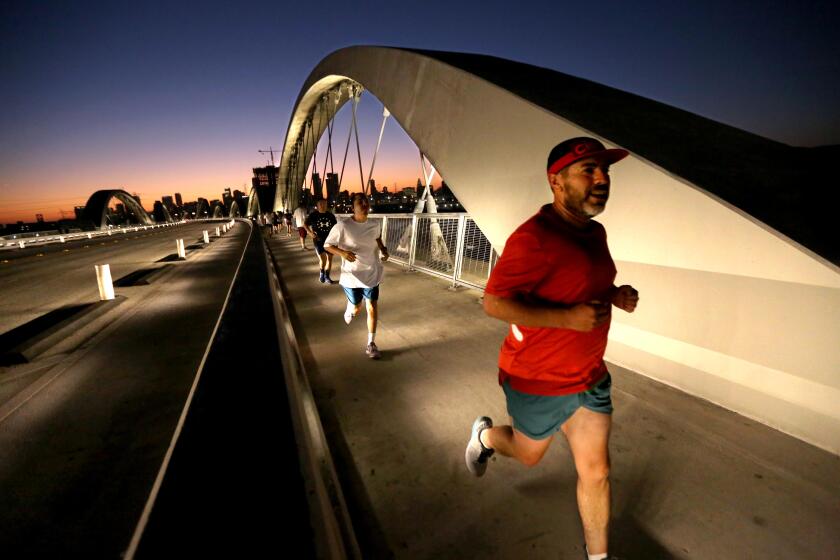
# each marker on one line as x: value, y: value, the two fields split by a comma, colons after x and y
x: 702, y: 218
x: 96, y: 208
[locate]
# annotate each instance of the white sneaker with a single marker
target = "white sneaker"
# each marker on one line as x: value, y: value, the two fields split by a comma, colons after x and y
x: 477, y: 455
x: 348, y: 317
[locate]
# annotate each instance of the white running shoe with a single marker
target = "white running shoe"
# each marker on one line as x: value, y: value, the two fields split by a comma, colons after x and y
x: 477, y: 455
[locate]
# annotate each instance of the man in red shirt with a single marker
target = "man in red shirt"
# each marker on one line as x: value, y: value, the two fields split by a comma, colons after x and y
x: 554, y: 286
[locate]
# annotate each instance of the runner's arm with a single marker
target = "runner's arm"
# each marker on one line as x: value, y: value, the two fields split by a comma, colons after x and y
x: 625, y: 297
x: 382, y: 248
x: 579, y: 317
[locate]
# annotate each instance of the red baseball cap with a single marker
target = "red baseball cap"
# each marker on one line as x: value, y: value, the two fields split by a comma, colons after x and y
x: 569, y: 151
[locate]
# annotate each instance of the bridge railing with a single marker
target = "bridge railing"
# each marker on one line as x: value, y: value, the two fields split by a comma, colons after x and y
x: 449, y: 246
x: 30, y: 239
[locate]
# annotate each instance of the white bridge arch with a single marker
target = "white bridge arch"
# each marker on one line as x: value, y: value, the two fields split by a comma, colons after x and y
x: 740, y: 287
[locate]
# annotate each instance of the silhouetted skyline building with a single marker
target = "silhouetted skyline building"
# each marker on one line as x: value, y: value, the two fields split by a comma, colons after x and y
x: 264, y: 183
x: 178, y: 200
x: 332, y: 187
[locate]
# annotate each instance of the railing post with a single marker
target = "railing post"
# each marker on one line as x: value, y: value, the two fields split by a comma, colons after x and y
x: 384, y: 232
x: 490, y: 262
x: 413, y: 245
x: 459, y: 249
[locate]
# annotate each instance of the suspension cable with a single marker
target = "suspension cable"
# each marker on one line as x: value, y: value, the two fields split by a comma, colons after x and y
x: 349, y: 135
x: 358, y: 148
x: 329, y: 134
x: 385, y: 114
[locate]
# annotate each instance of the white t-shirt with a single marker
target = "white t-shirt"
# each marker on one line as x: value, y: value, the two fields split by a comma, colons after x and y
x: 300, y: 217
x: 367, y: 270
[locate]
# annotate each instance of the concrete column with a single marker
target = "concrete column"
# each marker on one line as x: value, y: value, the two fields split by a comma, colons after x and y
x: 103, y: 278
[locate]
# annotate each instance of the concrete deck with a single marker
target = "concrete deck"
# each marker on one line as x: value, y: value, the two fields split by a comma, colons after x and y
x: 690, y: 479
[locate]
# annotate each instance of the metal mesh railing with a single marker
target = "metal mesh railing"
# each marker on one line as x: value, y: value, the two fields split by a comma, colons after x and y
x: 477, y: 257
x: 397, y: 237
x: 435, y: 244
x: 447, y: 245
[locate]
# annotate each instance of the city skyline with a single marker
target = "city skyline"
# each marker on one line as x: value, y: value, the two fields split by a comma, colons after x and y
x: 183, y: 103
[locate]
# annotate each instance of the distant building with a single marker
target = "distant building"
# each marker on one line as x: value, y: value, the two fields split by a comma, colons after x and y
x: 167, y: 201
x: 39, y: 218
x: 332, y: 187
x: 178, y: 200
x: 264, y: 183
x: 317, y: 187
x: 79, y: 211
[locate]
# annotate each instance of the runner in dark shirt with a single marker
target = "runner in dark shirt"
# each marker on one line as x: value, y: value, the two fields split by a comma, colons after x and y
x: 319, y: 223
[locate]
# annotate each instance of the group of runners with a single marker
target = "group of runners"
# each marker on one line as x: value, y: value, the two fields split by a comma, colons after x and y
x: 358, y: 241
x: 554, y: 286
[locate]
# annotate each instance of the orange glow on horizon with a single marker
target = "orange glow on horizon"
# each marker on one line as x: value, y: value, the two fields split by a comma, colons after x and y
x: 19, y: 208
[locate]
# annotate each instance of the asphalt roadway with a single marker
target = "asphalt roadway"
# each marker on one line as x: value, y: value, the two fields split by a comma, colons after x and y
x: 37, y: 280
x: 690, y: 480
x: 85, y: 425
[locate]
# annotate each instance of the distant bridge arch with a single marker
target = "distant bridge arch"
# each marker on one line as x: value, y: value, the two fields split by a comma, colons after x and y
x: 218, y: 211
x: 96, y: 208
x: 704, y: 218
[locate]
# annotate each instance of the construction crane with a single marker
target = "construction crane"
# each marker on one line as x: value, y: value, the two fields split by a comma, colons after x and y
x: 271, y: 151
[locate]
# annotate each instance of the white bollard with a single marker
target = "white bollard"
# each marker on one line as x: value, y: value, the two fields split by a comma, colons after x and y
x: 218, y: 232
x: 109, y: 233
x: 206, y: 237
x: 182, y: 253
x: 61, y: 238
x: 103, y: 278
x: 90, y: 236
x: 22, y: 244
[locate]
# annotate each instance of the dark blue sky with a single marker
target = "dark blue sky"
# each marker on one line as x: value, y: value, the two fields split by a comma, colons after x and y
x: 157, y: 98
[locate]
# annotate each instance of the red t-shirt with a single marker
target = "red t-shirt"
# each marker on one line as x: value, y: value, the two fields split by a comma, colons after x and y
x: 546, y: 260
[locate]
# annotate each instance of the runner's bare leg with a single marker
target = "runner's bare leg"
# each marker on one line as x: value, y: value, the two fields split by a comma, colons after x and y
x: 588, y: 433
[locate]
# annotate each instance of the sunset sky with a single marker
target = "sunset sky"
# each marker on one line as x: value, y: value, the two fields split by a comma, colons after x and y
x: 158, y: 99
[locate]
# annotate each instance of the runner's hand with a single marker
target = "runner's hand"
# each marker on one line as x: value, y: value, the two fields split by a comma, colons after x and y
x: 384, y: 256
x: 626, y: 298
x: 587, y: 316
x: 349, y: 256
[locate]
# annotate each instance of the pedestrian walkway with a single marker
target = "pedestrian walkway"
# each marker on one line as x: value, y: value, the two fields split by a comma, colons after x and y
x: 690, y: 479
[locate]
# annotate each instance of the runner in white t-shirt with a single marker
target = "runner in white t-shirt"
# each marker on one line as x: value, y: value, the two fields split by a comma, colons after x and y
x: 359, y: 242
x: 300, y: 223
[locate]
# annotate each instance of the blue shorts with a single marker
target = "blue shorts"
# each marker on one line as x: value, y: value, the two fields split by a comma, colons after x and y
x: 319, y: 246
x: 540, y: 416
x: 355, y: 295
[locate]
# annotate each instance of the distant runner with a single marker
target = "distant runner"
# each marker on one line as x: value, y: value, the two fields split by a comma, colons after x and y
x: 554, y: 286
x: 318, y: 224
x: 300, y: 224
x: 359, y: 242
